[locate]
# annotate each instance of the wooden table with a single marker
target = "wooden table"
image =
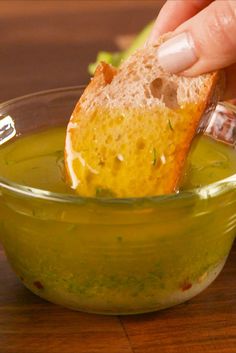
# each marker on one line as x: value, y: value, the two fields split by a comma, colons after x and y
x: 45, y: 44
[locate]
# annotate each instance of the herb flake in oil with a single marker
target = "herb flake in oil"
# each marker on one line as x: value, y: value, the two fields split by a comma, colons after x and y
x: 154, y: 156
x: 170, y: 125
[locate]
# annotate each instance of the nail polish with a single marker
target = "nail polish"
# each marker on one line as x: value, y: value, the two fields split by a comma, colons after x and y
x: 177, y: 54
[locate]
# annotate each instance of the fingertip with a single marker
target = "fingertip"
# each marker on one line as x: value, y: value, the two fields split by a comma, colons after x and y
x: 177, y: 54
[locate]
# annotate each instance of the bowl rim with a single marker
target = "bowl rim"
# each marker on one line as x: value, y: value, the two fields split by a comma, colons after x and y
x: 208, y: 191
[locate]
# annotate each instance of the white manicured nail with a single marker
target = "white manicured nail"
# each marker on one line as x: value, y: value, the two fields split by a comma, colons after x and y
x: 177, y: 54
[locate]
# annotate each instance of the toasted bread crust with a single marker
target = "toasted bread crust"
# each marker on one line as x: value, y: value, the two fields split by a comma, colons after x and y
x: 103, y: 76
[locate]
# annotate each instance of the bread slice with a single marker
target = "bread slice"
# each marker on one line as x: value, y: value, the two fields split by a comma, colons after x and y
x: 132, y: 128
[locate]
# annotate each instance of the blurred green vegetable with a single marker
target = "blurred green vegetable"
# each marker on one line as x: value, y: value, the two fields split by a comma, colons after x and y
x: 116, y: 58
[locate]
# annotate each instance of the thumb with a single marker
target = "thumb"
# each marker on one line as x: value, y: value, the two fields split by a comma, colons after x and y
x: 204, y: 43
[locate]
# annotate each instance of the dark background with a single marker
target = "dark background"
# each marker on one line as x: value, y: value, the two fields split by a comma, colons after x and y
x: 48, y: 44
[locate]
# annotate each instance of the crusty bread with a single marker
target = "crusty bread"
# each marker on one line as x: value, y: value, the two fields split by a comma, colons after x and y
x: 131, y: 130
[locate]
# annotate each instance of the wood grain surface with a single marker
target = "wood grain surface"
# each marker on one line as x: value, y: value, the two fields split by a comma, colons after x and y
x: 47, y: 44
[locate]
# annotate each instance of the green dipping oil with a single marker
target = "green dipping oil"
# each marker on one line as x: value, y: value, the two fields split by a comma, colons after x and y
x: 112, y: 257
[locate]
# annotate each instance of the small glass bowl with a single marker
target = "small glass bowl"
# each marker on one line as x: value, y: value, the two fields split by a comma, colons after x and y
x: 109, y: 256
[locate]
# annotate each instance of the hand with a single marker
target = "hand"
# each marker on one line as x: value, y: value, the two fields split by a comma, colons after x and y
x: 203, y: 39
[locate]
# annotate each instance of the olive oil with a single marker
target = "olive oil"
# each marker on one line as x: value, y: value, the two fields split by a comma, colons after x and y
x: 37, y: 161
x: 113, y: 257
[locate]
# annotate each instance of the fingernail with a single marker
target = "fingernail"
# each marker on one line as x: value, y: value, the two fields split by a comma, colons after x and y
x: 177, y: 54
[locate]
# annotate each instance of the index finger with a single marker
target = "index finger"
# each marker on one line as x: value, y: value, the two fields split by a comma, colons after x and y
x: 174, y: 13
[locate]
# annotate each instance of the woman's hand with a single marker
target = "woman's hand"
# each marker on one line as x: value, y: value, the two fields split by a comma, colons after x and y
x: 203, y: 39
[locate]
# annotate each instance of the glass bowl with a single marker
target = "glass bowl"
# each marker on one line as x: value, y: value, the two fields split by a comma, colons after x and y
x: 109, y: 256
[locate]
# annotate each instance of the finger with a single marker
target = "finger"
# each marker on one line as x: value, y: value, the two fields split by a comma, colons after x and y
x: 204, y: 43
x: 173, y: 13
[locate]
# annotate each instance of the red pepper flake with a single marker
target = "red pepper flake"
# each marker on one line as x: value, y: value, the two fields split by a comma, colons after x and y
x: 185, y: 286
x: 38, y: 285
